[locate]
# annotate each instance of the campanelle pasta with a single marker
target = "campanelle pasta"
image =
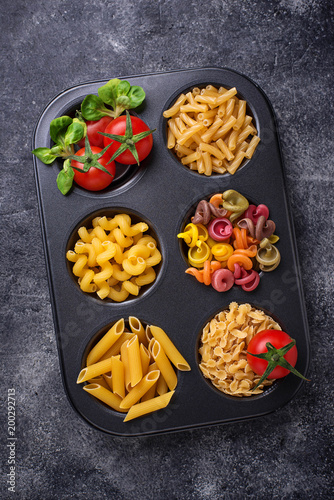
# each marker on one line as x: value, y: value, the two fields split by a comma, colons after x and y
x: 131, y: 371
x: 209, y: 130
x: 223, y: 349
x: 113, y: 258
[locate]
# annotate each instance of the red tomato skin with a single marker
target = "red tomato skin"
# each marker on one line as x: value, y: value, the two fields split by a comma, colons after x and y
x: 258, y: 345
x: 143, y: 147
x: 94, y: 179
x: 93, y: 127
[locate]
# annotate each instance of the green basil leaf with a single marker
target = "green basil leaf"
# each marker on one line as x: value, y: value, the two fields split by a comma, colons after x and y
x: 92, y: 108
x: 108, y: 92
x: 82, y: 123
x: 65, y: 179
x: 45, y: 155
x: 58, y: 128
x: 74, y: 133
x: 136, y: 96
x: 123, y: 88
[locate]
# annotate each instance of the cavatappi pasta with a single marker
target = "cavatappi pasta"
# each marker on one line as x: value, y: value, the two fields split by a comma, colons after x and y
x: 223, y: 349
x: 114, y: 259
x: 209, y: 130
x: 132, y: 370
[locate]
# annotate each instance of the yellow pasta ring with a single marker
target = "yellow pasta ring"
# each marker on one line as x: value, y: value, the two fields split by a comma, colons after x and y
x: 222, y: 251
x: 203, y: 233
x: 190, y: 234
x: 199, y: 254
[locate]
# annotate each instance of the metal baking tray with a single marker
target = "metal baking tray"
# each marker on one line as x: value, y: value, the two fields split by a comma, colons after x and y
x: 163, y: 192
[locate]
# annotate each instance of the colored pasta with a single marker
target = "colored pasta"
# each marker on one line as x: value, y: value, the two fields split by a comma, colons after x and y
x: 113, y: 258
x: 131, y: 369
x: 209, y: 130
x: 223, y: 349
x: 230, y: 242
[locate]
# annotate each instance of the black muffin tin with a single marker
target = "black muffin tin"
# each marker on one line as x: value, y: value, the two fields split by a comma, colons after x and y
x: 163, y: 193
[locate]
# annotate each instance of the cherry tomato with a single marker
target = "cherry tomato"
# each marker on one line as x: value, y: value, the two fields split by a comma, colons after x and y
x: 257, y: 345
x: 93, y: 127
x: 94, y: 179
x: 143, y: 147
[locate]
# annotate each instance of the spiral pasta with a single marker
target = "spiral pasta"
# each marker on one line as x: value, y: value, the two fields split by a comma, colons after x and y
x: 113, y: 258
x: 230, y: 241
x: 223, y: 349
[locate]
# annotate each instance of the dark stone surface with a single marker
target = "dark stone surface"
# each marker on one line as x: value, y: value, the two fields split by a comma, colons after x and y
x: 286, y: 46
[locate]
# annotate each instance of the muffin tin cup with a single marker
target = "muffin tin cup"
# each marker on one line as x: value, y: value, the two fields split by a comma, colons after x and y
x: 163, y: 192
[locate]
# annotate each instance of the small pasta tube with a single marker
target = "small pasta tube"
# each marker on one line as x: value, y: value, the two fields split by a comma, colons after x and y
x: 134, y: 360
x: 164, y: 365
x: 149, y: 406
x: 137, y: 328
x: 94, y: 370
x: 171, y: 351
x: 117, y: 374
x: 104, y: 395
x: 139, y: 390
x: 106, y: 342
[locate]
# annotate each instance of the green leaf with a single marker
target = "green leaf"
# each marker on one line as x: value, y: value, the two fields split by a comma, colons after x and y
x: 123, y: 88
x: 58, y: 128
x: 65, y: 179
x: 136, y: 96
x: 45, y: 155
x: 93, y: 108
x: 123, y: 102
x: 108, y: 92
x: 74, y: 133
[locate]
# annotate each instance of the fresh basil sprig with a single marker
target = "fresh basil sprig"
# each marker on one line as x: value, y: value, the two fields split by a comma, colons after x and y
x: 64, y: 132
x: 118, y: 94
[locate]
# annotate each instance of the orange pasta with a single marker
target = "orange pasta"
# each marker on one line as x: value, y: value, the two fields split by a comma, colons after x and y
x: 249, y: 252
x: 242, y: 260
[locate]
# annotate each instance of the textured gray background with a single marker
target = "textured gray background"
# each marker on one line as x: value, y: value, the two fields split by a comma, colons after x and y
x: 286, y: 46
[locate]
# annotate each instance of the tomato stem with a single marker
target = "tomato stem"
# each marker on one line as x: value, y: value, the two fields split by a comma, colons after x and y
x: 128, y: 140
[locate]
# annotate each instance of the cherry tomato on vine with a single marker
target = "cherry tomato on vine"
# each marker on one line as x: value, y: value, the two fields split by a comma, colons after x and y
x: 93, y: 129
x: 93, y: 179
x: 134, y: 136
x: 272, y: 354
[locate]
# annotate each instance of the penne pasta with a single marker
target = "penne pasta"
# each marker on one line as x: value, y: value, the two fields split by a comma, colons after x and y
x: 118, y: 377
x: 134, y: 360
x: 139, y: 390
x: 164, y: 365
x: 106, y: 342
x: 169, y: 348
x: 94, y: 370
x: 128, y: 373
x: 149, y: 406
x: 104, y: 395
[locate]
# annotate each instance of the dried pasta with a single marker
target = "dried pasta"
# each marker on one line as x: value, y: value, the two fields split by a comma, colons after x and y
x: 209, y: 130
x: 131, y: 371
x: 230, y: 241
x: 113, y: 258
x: 223, y: 349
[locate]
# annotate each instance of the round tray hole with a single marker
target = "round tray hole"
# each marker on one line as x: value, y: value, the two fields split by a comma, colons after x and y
x: 88, y: 224
x: 201, y: 85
